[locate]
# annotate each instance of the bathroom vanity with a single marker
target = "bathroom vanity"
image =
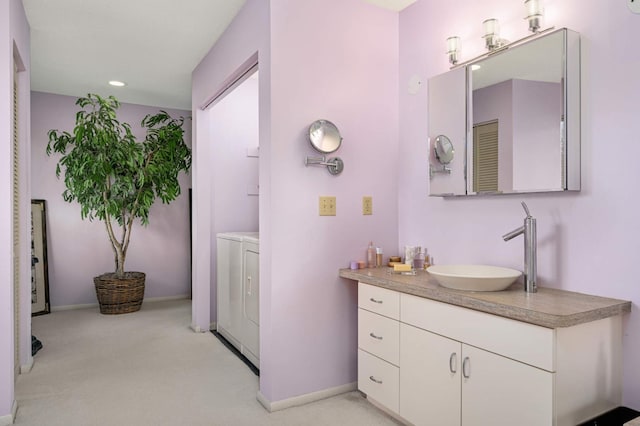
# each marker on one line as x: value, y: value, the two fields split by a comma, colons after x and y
x: 431, y: 355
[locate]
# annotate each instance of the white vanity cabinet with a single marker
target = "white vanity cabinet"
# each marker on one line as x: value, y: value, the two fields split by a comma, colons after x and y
x: 458, y: 366
x: 446, y: 382
x: 378, y: 344
x: 238, y: 292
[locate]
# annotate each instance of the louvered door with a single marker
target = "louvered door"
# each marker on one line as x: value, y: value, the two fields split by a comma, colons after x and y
x: 485, y: 157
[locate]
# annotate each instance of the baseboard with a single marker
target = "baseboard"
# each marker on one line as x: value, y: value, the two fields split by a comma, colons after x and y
x: 304, y: 399
x: 197, y: 329
x: 95, y: 305
x: 26, y: 368
x: 73, y: 307
x: 10, y: 418
x: 165, y: 298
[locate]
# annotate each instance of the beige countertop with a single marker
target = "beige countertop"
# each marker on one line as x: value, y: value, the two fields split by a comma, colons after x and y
x: 548, y: 307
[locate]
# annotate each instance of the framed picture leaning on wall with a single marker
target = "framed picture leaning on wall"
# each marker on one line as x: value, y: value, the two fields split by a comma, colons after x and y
x: 39, y: 271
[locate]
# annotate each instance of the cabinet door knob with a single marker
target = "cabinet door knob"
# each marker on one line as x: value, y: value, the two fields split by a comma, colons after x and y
x: 453, y: 363
x: 374, y: 336
x: 466, y: 367
x: 249, y: 286
x: 373, y: 379
x: 375, y: 300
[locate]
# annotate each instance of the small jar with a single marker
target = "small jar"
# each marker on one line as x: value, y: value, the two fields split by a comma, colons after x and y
x: 418, y: 260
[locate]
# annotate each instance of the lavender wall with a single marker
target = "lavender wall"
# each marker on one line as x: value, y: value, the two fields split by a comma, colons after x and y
x: 348, y: 75
x: 246, y: 38
x: 79, y: 249
x: 14, y: 51
x: 587, y: 242
x: 233, y: 131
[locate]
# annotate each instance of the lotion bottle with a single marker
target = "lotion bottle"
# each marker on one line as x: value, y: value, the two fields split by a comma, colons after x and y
x: 371, y: 255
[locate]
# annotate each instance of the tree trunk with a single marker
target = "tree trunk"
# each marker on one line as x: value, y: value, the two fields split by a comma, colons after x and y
x: 120, y: 257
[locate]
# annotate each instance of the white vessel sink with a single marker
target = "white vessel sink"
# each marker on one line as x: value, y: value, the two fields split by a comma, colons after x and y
x: 474, y: 277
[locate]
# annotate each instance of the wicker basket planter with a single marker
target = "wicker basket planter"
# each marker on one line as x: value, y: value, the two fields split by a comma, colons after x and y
x: 120, y: 295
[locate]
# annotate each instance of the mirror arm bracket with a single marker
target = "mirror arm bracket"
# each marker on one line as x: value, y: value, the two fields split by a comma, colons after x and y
x: 335, y: 165
x: 433, y: 170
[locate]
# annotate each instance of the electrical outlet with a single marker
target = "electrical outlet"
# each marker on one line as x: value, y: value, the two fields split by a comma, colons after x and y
x: 634, y: 5
x: 327, y: 206
x: 367, y: 205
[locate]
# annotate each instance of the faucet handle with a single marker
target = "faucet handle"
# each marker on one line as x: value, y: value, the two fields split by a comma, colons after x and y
x: 526, y: 209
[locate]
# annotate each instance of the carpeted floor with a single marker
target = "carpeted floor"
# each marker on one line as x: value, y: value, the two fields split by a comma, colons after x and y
x: 149, y: 368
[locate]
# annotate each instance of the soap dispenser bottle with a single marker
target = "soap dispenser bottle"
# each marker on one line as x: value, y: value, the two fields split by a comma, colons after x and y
x: 371, y: 255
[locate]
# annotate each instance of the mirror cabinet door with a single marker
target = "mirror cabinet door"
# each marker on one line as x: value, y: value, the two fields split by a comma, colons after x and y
x: 447, y: 117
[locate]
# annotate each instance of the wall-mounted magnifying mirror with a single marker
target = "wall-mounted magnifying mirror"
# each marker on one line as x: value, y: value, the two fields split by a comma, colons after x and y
x: 325, y: 138
x: 444, y: 152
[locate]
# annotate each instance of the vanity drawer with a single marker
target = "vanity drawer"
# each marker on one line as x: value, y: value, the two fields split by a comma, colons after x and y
x: 527, y: 343
x: 379, y: 336
x: 379, y: 300
x: 379, y: 380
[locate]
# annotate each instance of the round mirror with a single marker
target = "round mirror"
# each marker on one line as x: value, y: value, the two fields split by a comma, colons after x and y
x: 324, y: 136
x: 443, y: 149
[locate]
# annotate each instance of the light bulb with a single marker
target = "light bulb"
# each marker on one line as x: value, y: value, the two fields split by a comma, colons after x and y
x: 534, y: 14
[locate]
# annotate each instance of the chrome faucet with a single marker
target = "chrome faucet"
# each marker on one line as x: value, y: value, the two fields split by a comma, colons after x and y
x: 530, y: 249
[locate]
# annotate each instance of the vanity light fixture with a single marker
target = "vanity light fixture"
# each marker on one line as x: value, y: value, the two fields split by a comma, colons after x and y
x: 453, y: 49
x: 492, y: 34
x: 534, y: 14
x: 117, y: 83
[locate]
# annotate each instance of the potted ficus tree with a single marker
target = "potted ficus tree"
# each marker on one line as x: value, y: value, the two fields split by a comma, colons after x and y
x: 116, y: 179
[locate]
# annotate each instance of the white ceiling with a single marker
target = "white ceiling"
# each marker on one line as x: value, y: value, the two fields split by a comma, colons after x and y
x: 77, y: 46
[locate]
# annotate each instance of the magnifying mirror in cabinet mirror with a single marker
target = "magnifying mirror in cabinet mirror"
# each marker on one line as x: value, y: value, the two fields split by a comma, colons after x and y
x: 325, y: 138
x: 443, y: 151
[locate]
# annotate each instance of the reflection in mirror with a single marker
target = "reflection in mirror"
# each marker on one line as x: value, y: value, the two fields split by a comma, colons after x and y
x: 518, y: 118
x: 443, y: 149
x: 324, y: 136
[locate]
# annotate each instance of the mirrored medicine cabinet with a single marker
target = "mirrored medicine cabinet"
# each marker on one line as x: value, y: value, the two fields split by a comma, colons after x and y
x: 512, y: 118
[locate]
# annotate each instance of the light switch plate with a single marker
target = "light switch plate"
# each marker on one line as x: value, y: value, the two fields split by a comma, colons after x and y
x: 367, y: 205
x: 634, y: 6
x: 327, y: 206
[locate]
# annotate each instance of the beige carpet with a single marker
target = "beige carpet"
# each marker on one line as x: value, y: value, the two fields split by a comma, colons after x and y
x: 149, y: 368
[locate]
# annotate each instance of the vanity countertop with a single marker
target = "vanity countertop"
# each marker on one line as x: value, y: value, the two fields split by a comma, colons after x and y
x: 548, y: 307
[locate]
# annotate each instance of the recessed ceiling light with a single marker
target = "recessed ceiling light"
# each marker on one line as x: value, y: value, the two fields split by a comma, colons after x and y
x: 117, y: 83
